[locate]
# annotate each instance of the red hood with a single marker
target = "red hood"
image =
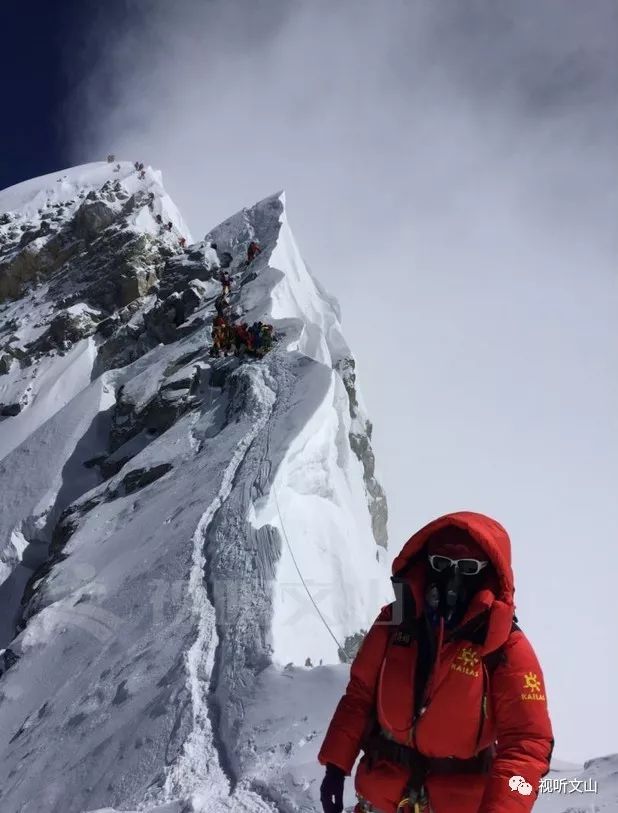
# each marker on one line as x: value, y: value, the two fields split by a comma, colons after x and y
x: 494, y: 540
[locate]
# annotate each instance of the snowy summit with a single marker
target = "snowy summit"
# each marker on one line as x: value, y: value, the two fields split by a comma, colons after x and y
x: 187, y: 533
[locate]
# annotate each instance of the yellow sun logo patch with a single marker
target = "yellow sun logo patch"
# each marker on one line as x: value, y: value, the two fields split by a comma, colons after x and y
x: 466, y: 661
x: 532, y: 689
x: 468, y: 656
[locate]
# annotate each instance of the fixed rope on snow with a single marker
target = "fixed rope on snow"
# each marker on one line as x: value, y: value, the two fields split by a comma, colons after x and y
x: 343, y: 653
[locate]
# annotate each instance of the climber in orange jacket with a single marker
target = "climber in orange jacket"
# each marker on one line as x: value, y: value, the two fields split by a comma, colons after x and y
x: 446, y: 696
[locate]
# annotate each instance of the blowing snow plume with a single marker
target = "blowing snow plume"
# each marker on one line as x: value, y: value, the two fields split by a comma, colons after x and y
x: 182, y: 530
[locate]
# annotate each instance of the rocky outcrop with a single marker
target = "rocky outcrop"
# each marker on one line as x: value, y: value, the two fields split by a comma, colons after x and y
x: 92, y: 217
x: 166, y: 321
x: 172, y: 400
x: 123, y: 268
x: 135, y: 284
x: 360, y: 443
x: 139, y: 478
x: 110, y: 264
x: 10, y: 410
x: 199, y: 262
x: 351, y: 645
x: 66, y: 328
x: 126, y: 343
x: 6, y: 362
x: 18, y: 272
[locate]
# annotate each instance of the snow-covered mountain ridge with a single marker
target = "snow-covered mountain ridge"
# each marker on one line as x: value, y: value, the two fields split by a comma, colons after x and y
x: 167, y: 519
x: 176, y: 530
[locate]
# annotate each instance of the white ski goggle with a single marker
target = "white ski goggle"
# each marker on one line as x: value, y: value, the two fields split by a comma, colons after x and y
x: 467, y: 567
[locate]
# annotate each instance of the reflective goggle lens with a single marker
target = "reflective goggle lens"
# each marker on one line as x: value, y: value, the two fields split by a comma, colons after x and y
x: 467, y: 567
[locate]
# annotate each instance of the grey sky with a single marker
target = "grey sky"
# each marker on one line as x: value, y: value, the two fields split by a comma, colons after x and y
x: 452, y: 178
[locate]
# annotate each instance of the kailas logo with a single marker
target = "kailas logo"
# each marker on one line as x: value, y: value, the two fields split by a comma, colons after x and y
x: 402, y: 638
x: 467, y: 662
x: 532, y: 687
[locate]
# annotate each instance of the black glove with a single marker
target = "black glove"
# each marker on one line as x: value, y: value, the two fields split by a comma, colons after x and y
x: 331, y: 789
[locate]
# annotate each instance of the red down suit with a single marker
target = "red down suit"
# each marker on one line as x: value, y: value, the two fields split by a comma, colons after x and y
x: 467, y: 706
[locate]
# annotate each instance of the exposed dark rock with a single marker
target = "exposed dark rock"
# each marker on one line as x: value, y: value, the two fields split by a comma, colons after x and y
x: 30, y: 600
x: 225, y: 258
x: 12, y: 324
x: 182, y: 361
x: 221, y: 371
x: 122, y: 348
x: 9, y: 410
x: 193, y: 296
x: 159, y: 414
x: 7, y: 659
x: 6, y: 361
x: 65, y: 329
x: 107, y: 326
x: 92, y: 217
x: 136, y: 284
x: 17, y: 272
x: 67, y: 301
x: 179, y: 271
x: 360, y: 443
x: 121, y: 694
x: 22, y: 356
x: 139, y: 478
x: 120, y: 267
x: 112, y: 465
x: 27, y: 237
x: 378, y: 507
x: 34, y: 262
x: 126, y: 314
x: 189, y: 381
x: 96, y: 461
x: 188, y: 328
x: 163, y: 320
x: 351, y: 645
x: 64, y: 529
x: 135, y: 330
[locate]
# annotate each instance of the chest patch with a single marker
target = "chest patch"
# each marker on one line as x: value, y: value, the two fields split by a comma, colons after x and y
x: 402, y: 638
x: 467, y: 662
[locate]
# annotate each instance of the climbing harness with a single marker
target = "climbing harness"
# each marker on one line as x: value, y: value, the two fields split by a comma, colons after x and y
x: 407, y: 802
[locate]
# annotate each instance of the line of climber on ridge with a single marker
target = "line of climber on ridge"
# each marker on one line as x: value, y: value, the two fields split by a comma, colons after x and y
x: 238, y: 338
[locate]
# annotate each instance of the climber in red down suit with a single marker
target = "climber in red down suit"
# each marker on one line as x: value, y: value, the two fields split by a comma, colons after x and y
x: 446, y: 696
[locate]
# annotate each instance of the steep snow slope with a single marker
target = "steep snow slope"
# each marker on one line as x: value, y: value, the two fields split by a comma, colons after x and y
x: 46, y: 225
x: 175, y: 529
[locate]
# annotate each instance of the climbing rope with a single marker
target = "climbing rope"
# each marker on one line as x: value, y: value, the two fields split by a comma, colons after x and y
x: 342, y: 652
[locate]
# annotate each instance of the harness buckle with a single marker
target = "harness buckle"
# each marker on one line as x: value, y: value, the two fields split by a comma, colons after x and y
x: 415, y: 801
